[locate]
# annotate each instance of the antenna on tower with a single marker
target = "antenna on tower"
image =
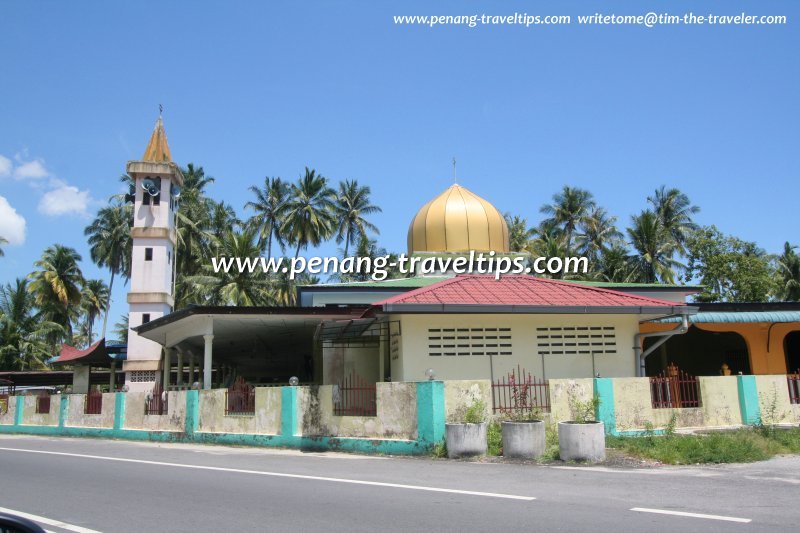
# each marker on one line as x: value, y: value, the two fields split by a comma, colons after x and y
x: 455, y: 177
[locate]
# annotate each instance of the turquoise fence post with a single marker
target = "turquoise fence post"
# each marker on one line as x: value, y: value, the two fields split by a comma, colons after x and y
x: 604, y: 391
x: 119, y: 410
x: 63, y: 409
x: 19, y: 408
x: 748, y: 400
x: 288, y: 411
x: 192, y: 412
x: 430, y: 413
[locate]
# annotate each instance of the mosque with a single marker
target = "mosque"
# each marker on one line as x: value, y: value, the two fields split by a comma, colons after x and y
x: 408, y: 329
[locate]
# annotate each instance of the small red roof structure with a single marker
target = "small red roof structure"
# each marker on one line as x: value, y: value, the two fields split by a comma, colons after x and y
x: 523, y: 294
x: 95, y: 355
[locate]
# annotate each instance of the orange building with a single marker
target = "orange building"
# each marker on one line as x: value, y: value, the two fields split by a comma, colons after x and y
x: 751, y: 338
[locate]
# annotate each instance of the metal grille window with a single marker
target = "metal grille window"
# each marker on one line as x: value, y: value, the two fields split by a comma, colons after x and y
x: 674, y: 389
x: 793, y: 380
x: 576, y: 340
x: 469, y: 341
x: 94, y: 403
x: 240, y: 398
x: 156, y: 401
x: 43, y: 404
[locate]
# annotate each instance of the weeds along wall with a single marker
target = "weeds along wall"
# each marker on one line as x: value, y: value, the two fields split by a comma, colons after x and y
x: 409, y: 417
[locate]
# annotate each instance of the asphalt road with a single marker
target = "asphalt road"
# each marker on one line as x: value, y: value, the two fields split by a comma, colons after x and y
x: 84, y: 485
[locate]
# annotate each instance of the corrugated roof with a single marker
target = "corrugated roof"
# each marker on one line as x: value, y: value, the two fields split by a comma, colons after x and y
x: 425, y: 281
x: 519, y: 291
x: 739, y: 317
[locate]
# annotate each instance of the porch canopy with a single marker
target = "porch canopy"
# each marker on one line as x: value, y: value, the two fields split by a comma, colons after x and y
x: 262, y: 344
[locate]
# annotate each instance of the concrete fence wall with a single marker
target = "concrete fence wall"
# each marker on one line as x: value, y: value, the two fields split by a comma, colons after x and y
x: 410, y: 417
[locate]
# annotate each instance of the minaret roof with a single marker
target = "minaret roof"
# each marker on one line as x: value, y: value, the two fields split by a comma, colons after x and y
x: 158, y: 148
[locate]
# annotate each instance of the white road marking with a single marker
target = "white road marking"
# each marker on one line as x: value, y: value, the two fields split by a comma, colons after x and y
x: 693, y: 515
x: 281, y: 474
x: 766, y: 478
x: 49, y: 521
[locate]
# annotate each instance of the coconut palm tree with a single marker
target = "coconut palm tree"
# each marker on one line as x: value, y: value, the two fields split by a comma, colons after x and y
x: 653, y: 261
x: 24, y: 332
x: 350, y: 207
x: 195, y: 234
x: 95, y: 297
x: 309, y: 211
x: 614, y: 265
x: 110, y: 244
x: 570, y: 208
x: 223, y: 218
x: 519, y: 234
x: 788, y: 265
x: 56, y: 285
x: 598, y: 232
x: 269, y: 208
x: 121, y: 329
x: 675, y: 211
x: 234, y: 287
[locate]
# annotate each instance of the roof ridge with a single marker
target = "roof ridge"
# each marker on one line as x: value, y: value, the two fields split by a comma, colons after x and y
x: 526, y: 278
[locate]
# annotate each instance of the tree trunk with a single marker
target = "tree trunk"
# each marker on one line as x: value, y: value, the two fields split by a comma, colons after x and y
x: 108, y: 306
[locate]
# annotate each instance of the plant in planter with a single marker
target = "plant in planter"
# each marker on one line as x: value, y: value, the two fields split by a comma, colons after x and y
x: 523, y: 433
x: 583, y: 438
x: 468, y: 438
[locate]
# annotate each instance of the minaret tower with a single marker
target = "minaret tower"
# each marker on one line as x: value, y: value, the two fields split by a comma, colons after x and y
x: 157, y: 183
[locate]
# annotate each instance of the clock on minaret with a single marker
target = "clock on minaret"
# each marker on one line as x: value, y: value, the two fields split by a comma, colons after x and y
x: 157, y: 181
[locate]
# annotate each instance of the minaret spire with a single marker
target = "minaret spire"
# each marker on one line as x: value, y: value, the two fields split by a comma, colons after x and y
x: 157, y: 148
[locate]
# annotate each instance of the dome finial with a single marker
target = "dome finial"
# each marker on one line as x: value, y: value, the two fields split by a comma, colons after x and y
x: 455, y: 178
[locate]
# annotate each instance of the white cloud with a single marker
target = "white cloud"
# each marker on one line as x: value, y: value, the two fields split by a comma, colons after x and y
x: 65, y: 200
x: 5, y: 166
x: 31, y: 170
x: 12, y: 224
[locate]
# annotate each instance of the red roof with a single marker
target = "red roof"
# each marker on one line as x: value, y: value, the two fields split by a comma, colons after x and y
x: 94, y: 353
x: 512, y: 290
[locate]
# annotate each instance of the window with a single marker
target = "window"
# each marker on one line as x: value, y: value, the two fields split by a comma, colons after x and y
x: 576, y: 340
x: 469, y: 341
x: 145, y: 318
x: 148, y: 254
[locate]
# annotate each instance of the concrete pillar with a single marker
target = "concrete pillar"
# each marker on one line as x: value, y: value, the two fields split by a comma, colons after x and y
x: 430, y: 413
x: 112, y: 374
x: 748, y: 400
x: 208, y: 348
x: 180, y: 367
x: 166, y: 367
x: 80, y: 379
x: 191, y: 368
x: 605, y: 412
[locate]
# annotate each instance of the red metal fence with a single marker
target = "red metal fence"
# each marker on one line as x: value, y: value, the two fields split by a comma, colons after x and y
x: 673, y: 388
x: 240, y: 398
x: 156, y: 401
x: 793, y: 380
x: 355, y: 397
x: 520, y: 392
x: 43, y: 404
x: 94, y: 403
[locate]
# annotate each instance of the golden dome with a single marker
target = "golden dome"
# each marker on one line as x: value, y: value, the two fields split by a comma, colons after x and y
x: 458, y: 220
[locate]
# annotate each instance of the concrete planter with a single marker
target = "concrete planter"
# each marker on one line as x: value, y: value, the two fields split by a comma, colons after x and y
x: 582, y: 441
x: 524, y: 439
x: 465, y: 440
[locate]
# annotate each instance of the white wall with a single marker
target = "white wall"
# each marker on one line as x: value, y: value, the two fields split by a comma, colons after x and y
x: 414, y: 358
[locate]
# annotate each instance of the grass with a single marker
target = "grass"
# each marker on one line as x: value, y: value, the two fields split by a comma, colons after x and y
x: 740, y: 446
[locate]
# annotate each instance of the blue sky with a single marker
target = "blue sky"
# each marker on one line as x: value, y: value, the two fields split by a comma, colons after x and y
x: 264, y: 89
